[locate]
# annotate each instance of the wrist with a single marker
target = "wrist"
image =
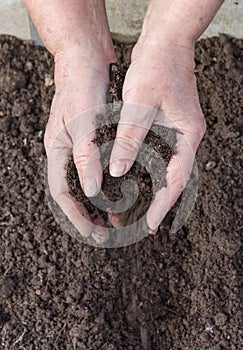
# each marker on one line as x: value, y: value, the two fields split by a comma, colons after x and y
x: 87, y: 45
x: 168, y: 48
x: 93, y: 55
x: 63, y: 25
x: 179, y: 22
x: 168, y: 35
x: 72, y: 60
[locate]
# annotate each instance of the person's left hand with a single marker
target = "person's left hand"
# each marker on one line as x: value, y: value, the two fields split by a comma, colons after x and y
x: 160, y: 76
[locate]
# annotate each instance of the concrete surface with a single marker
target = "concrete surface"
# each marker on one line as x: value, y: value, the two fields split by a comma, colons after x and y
x: 125, y: 19
x: 14, y: 19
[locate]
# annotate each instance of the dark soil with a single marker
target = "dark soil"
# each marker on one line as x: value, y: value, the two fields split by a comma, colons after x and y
x: 111, y: 187
x: 170, y: 291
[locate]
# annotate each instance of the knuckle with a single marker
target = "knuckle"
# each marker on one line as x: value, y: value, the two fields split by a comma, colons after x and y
x: 56, y: 196
x: 177, y: 179
x: 81, y: 160
x: 86, y: 158
x: 201, y: 126
x: 48, y: 140
x: 199, y: 132
x: 177, y: 184
x: 130, y: 145
x: 60, y: 198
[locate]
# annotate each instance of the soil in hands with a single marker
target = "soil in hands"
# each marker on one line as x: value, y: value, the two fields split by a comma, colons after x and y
x: 170, y: 291
x: 111, y: 186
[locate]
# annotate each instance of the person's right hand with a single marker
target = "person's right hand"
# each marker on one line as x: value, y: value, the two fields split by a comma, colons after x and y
x: 76, y: 33
x: 81, y: 80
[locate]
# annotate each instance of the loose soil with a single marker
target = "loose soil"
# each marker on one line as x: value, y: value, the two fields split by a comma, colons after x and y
x: 170, y: 291
x: 140, y: 175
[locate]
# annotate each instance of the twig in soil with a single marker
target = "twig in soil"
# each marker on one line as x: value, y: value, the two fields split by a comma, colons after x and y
x: 8, y: 269
x: 3, y: 333
x: 58, y: 336
x: 20, y: 338
x: 75, y: 343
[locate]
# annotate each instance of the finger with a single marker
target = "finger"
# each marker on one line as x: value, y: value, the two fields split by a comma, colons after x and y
x: 178, y: 173
x: 76, y: 212
x: 101, y: 233
x: 133, y: 126
x: 85, y: 152
x: 115, y: 220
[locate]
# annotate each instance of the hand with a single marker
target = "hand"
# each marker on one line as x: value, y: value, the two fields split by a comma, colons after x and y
x: 81, y: 85
x: 77, y: 34
x: 160, y: 76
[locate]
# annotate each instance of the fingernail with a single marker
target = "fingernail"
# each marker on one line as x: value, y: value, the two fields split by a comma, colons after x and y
x: 118, y: 168
x: 115, y: 220
x: 90, y: 186
x: 153, y: 231
x: 101, y: 235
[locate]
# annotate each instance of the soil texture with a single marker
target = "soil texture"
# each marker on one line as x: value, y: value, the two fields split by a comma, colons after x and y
x: 112, y: 186
x: 169, y: 291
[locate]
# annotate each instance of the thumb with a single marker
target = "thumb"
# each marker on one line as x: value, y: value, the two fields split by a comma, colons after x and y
x: 133, y: 126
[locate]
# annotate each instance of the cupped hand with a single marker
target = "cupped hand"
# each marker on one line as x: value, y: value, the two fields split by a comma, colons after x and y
x: 161, y: 76
x: 81, y: 80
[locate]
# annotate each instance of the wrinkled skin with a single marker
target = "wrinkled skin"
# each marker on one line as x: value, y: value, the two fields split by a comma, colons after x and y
x: 72, y: 122
x: 160, y: 78
x: 156, y: 79
x: 172, y: 89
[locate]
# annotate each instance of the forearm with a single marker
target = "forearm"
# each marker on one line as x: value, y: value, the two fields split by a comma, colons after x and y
x: 183, y: 20
x: 64, y: 24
